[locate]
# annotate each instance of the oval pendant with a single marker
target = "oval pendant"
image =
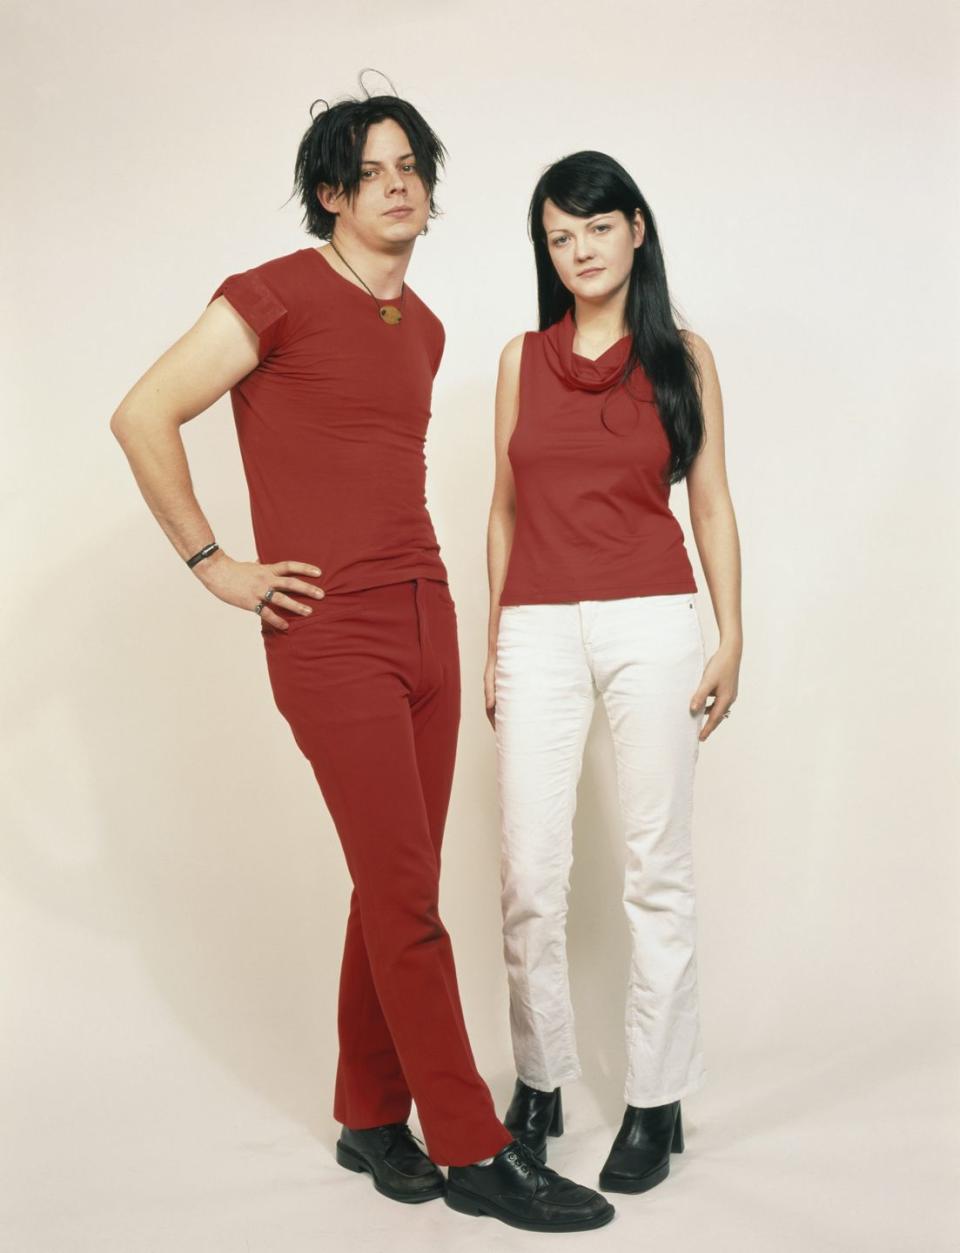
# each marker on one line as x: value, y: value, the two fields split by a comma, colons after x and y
x: 390, y: 314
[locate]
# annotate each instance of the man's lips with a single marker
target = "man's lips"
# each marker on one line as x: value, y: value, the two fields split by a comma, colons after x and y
x: 400, y: 212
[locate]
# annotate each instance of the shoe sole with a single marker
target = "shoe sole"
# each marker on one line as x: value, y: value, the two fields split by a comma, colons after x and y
x: 643, y: 1184
x: 350, y: 1160
x: 480, y: 1207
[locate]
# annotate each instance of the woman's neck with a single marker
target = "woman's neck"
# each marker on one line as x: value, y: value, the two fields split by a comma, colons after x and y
x: 598, y: 326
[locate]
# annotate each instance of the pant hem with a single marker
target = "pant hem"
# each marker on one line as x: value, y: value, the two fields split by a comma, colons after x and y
x: 483, y: 1149
x: 647, y: 1102
x: 364, y: 1124
x: 545, y: 1086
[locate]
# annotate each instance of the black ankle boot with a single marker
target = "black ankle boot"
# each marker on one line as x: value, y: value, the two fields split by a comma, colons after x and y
x: 391, y: 1154
x: 516, y: 1188
x: 533, y: 1115
x: 640, y: 1157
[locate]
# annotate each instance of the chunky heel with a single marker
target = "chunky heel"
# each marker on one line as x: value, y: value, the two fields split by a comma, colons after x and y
x: 350, y: 1160
x: 533, y: 1115
x: 556, y: 1122
x: 677, y: 1145
x: 463, y: 1204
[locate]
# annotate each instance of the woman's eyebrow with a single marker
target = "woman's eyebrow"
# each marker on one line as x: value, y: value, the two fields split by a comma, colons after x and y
x: 554, y: 229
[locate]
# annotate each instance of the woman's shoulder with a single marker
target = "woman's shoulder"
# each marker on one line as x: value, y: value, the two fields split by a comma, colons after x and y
x: 698, y: 346
x: 513, y: 349
x: 708, y: 381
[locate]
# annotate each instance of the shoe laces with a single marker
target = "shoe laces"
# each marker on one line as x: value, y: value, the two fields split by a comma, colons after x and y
x: 525, y: 1160
x: 392, y: 1131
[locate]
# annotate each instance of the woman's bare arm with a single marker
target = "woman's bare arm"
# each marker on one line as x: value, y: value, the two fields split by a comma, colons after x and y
x: 503, y: 505
x: 715, y: 531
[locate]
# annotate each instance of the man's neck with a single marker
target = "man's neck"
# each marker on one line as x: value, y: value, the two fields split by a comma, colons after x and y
x: 383, y: 272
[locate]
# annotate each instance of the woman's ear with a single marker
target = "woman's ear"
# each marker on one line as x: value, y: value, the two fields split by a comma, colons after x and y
x: 638, y: 228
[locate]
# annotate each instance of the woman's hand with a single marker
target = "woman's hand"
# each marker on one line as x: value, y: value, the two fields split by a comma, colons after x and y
x: 246, y: 583
x: 720, y: 679
x: 489, y: 688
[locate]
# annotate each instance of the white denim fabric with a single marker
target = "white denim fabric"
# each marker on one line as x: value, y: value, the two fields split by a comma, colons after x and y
x: 644, y: 656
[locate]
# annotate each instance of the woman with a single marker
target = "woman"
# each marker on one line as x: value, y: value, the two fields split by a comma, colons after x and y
x: 592, y: 593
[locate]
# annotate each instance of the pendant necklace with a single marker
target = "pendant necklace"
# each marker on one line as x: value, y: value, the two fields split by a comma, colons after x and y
x: 389, y: 313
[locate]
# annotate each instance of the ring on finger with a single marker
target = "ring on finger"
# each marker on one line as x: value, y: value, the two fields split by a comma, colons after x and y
x: 258, y: 607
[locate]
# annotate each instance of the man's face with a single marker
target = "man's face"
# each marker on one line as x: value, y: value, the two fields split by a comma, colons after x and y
x: 592, y: 256
x: 391, y: 205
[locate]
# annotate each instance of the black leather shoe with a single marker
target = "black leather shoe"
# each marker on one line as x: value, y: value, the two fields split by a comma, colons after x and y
x: 519, y: 1190
x: 400, y: 1168
x: 640, y: 1157
x: 533, y: 1115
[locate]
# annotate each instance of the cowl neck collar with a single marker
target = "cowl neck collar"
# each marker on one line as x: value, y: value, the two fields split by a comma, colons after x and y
x: 619, y: 410
x: 591, y: 376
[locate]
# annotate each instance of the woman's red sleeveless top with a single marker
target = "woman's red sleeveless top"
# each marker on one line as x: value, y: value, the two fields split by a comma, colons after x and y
x: 593, y: 520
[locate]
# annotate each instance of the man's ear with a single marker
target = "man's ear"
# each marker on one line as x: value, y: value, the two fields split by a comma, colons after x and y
x: 328, y: 197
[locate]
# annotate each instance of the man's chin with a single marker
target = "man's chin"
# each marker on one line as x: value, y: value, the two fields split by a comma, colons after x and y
x: 402, y: 230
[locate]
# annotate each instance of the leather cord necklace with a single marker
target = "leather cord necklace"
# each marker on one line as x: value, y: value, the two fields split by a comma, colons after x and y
x: 389, y: 313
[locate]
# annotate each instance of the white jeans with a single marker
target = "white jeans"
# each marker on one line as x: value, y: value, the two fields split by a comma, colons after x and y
x: 644, y: 655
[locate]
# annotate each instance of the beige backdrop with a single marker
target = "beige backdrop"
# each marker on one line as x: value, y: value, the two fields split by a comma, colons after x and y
x: 173, y: 891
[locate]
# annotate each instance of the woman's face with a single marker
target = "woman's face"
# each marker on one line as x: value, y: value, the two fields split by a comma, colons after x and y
x: 593, y: 256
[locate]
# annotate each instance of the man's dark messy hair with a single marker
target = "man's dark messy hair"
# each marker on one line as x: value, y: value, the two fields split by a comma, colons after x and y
x: 331, y: 150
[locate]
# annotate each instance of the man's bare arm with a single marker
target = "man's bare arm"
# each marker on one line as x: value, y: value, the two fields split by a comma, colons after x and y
x: 217, y: 351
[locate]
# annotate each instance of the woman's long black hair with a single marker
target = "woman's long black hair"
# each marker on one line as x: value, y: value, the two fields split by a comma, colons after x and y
x: 586, y: 183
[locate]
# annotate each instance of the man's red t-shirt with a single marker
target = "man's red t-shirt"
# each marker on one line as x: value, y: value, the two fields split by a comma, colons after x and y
x: 332, y: 424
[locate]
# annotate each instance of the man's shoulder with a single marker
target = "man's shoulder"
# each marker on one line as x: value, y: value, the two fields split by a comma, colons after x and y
x: 278, y: 269
x: 272, y: 293
x: 431, y: 319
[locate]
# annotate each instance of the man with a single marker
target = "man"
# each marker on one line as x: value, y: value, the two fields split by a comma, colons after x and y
x: 330, y: 359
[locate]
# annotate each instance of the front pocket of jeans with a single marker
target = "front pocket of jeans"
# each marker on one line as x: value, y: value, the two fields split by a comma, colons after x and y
x: 329, y: 610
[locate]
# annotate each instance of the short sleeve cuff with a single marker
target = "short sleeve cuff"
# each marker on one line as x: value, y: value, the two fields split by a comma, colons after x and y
x: 260, y: 307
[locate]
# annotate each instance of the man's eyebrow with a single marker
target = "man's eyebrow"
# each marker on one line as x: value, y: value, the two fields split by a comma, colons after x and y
x: 370, y: 161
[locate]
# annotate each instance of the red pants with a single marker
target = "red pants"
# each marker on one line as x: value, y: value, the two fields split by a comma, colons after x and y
x: 370, y: 685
